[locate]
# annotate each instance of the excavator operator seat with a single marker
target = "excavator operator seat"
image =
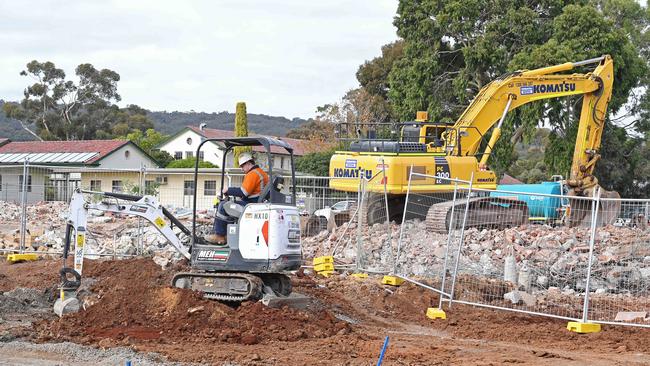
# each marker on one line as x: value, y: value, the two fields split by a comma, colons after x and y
x: 273, y: 191
x: 233, y: 209
x: 277, y: 184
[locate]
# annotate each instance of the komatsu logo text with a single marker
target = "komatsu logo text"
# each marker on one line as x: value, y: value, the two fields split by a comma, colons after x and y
x: 547, y: 88
x: 352, y: 173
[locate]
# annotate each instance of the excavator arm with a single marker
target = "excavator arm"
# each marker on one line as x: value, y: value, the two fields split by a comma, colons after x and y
x: 510, y: 91
x: 492, y: 104
x: 146, y: 207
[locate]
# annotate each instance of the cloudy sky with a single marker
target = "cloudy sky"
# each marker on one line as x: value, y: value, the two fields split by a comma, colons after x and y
x: 282, y: 57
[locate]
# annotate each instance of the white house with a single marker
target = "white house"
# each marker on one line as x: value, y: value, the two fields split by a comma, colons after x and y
x: 184, y: 143
x: 48, y: 175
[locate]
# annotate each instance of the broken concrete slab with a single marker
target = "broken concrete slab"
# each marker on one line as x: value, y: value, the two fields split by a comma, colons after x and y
x: 294, y: 300
x: 630, y: 316
x: 517, y: 297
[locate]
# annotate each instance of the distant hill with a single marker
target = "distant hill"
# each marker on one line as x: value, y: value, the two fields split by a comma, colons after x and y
x: 10, y: 128
x: 171, y: 122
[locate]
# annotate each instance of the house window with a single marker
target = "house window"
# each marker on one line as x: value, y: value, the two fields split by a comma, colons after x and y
x: 178, y: 155
x: 189, y: 141
x: 96, y: 185
x: 150, y: 187
x: 117, y: 186
x: 188, y: 186
x: 210, y: 188
x: 189, y: 154
x: 0, y: 182
x: 127, y: 153
x: 29, y: 183
x: 201, y: 155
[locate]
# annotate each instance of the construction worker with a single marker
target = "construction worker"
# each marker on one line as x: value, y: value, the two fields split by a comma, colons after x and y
x: 254, y: 182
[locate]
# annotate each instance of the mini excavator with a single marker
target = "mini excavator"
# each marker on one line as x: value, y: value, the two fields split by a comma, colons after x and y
x: 439, y: 151
x: 263, y: 238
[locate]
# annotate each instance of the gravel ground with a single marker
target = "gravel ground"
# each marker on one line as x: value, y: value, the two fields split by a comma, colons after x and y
x: 25, y: 353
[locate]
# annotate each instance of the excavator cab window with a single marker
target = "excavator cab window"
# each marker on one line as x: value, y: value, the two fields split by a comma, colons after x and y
x: 433, y: 136
x: 411, y: 133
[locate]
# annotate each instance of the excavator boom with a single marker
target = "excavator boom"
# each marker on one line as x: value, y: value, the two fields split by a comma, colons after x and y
x: 511, y: 91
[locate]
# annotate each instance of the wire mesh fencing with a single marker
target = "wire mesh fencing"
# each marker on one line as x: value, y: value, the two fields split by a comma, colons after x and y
x: 355, y: 229
x: 508, y: 262
x: 32, y: 200
x: 620, y: 271
x: 521, y: 251
x: 34, y: 209
x: 375, y: 235
x: 425, y: 242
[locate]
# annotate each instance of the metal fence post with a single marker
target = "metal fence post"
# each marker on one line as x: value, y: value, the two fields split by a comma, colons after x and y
x: 449, y: 235
x: 401, y: 229
x: 23, y: 204
x: 388, y: 228
x: 362, y: 192
x: 141, y: 193
x: 460, y: 241
x: 595, y: 203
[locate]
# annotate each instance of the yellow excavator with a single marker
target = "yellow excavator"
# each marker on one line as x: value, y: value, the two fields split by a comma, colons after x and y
x: 460, y: 151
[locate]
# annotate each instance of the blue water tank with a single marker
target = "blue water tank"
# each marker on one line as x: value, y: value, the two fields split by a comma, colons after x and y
x: 538, y: 206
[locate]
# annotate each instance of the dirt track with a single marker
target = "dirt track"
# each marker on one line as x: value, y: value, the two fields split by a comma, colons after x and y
x: 346, y: 323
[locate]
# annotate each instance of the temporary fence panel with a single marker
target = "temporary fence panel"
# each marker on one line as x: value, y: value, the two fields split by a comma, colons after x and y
x: 620, y: 272
x: 511, y: 263
x: 326, y: 215
x: 375, y: 235
x: 423, y: 236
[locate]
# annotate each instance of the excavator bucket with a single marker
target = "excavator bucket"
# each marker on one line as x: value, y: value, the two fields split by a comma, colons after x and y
x: 609, y: 208
x: 66, y: 303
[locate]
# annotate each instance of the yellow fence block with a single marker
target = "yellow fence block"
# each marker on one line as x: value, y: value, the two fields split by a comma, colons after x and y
x: 323, y: 260
x: 359, y: 275
x: 435, y: 313
x: 326, y: 273
x: 580, y: 327
x: 15, y: 258
x: 392, y: 280
x: 324, y: 267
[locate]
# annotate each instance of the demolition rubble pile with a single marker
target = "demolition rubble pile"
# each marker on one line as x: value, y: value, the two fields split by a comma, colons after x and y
x: 108, y: 234
x: 546, y: 256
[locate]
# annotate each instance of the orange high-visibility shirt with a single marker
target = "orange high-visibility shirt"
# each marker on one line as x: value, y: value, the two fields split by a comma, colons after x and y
x: 251, y: 186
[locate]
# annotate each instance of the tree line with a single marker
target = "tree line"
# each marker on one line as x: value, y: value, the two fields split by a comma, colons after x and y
x: 447, y: 50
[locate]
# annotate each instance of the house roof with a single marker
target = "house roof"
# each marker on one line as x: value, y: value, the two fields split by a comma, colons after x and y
x: 85, y: 152
x: 507, y: 179
x: 299, y: 146
x: 4, y: 141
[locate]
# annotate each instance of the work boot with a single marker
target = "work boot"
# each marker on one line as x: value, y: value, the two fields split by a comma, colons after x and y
x: 216, y: 239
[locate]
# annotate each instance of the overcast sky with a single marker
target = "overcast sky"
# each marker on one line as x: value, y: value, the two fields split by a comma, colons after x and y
x: 283, y: 57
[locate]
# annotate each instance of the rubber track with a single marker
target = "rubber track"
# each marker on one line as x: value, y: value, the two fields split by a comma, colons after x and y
x: 255, y: 285
x: 439, y: 213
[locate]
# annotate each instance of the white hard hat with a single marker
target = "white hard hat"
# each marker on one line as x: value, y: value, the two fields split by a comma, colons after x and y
x: 245, y: 157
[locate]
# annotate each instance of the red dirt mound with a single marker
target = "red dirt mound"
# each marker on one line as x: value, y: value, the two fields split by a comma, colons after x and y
x: 132, y: 302
x: 39, y: 275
